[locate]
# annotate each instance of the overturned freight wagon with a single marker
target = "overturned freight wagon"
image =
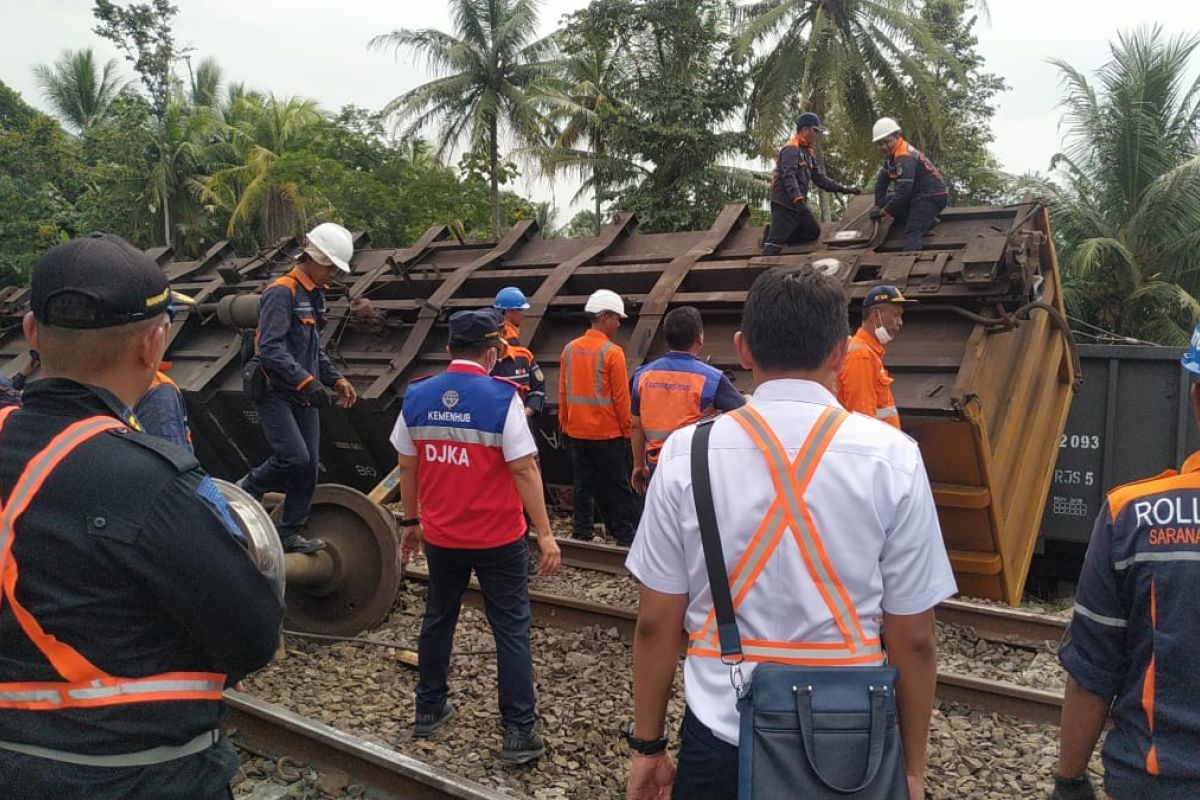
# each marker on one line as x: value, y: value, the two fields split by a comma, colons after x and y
x: 983, y: 369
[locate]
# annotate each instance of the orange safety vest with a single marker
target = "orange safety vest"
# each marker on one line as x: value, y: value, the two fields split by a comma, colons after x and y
x: 668, y: 400
x: 594, y: 389
x: 789, y: 511
x: 83, y: 685
x: 864, y: 384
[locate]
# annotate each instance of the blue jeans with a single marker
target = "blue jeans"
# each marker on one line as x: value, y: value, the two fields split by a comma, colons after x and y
x: 294, y: 435
x: 503, y: 574
x: 708, y: 766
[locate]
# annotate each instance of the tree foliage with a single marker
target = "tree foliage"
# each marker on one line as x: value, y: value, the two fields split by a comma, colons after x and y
x: 79, y: 90
x: 1125, y: 190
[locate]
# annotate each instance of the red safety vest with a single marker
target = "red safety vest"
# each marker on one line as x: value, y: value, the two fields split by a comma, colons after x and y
x: 789, y: 511
x: 83, y: 684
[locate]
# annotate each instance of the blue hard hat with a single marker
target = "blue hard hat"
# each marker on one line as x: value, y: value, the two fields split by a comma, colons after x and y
x: 510, y: 298
x: 1191, y: 359
x: 809, y: 120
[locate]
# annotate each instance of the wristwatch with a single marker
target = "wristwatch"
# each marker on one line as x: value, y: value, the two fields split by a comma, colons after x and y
x: 646, y: 747
x: 410, y: 522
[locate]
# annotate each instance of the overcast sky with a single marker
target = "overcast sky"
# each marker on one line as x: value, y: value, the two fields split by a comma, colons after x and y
x: 318, y: 49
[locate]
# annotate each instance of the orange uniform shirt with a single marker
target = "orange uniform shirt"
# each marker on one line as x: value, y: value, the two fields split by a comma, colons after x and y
x: 593, y: 389
x: 864, y: 384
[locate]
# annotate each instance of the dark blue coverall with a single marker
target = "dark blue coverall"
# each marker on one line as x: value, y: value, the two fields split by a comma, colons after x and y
x: 918, y: 192
x: 291, y: 313
x: 163, y: 413
x: 792, y: 222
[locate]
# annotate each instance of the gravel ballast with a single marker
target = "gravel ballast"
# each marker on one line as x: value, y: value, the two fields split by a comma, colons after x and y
x: 584, y: 695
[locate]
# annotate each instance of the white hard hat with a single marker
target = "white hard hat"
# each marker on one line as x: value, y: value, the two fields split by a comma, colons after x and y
x: 330, y: 242
x: 605, y: 300
x: 886, y: 126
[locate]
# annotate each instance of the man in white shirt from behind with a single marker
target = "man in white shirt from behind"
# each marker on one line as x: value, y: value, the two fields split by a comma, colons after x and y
x: 875, y: 567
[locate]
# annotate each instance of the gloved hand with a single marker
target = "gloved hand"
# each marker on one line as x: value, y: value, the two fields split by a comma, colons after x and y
x: 876, y: 214
x: 315, y: 395
x: 1073, y: 788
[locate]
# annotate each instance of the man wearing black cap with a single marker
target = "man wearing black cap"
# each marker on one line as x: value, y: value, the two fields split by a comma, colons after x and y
x: 469, y: 464
x: 864, y: 384
x: 134, y: 605
x: 796, y: 167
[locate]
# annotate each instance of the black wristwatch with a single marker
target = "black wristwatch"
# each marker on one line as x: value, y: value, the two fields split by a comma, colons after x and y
x: 411, y: 522
x: 647, y: 747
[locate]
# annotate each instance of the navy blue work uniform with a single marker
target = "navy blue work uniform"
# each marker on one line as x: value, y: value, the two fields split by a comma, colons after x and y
x: 291, y: 313
x: 162, y: 411
x: 792, y: 222
x: 518, y: 365
x: 10, y: 395
x: 1135, y: 634
x: 124, y: 560
x: 918, y: 193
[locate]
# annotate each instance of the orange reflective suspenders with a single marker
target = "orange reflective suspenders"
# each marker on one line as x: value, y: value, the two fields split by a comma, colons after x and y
x: 84, y: 685
x: 789, y: 511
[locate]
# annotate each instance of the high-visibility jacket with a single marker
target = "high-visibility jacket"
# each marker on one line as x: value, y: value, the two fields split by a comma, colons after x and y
x: 676, y: 390
x: 510, y: 333
x: 467, y: 492
x: 291, y: 313
x: 83, y: 684
x: 593, y: 389
x: 518, y: 365
x: 162, y: 411
x: 1135, y: 634
x: 864, y: 384
x: 789, y: 514
x: 909, y: 175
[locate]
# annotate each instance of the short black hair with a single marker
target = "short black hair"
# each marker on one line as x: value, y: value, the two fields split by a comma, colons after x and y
x: 794, y: 318
x: 682, y: 327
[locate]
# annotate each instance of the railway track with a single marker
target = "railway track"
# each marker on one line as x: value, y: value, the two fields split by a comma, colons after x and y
x: 1033, y: 705
x: 268, y: 729
x: 995, y: 623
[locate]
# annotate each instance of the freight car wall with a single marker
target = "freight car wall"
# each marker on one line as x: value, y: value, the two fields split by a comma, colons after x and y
x: 1132, y: 419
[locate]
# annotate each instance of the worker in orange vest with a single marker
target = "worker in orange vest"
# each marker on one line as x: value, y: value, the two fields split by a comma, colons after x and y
x: 864, y: 384
x: 594, y: 413
x: 674, y: 391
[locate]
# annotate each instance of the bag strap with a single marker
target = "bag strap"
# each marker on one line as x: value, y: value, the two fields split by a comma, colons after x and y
x: 714, y: 555
x: 804, y: 714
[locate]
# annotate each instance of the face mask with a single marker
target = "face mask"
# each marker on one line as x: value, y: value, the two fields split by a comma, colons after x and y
x: 881, y: 333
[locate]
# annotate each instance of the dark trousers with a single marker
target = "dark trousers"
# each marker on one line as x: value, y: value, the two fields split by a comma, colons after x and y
x: 602, y: 468
x: 294, y: 434
x: 503, y: 574
x: 708, y: 766
x: 790, y: 226
x: 922, y: 214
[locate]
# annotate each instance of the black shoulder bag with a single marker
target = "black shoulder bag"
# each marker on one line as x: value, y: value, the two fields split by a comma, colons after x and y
x: 806, y: 732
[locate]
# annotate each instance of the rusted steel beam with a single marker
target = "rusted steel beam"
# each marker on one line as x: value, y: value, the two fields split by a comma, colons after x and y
x: 428, y: 316
x: 650, y: 314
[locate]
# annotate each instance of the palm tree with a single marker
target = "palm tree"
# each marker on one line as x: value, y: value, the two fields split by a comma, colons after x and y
x: 850, y: 58
x: 176, y: 163
x: 578, y: 99
x: 487, y: 67
x: 1125, y: 191
x: 206, y: 83
x: 79, y: 91
x: 259, y: 133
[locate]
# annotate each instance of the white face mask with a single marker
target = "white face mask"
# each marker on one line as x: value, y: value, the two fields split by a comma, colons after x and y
x: 881, y: 333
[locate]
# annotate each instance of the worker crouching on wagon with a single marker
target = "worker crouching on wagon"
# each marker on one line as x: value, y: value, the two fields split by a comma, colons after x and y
x: 468, y: 466
x: 1134, y: 638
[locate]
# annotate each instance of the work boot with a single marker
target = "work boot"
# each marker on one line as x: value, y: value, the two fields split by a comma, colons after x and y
x: 295, y: 543
x: 521, y: 745
x: 243, y: 483
x: 430, y: 722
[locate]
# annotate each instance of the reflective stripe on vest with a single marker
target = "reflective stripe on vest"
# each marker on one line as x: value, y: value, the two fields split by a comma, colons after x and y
x: 142, y: 758
x: 886, y: 413
x: 598, y: 398
x: 790, y: 511
x: 84, y: 684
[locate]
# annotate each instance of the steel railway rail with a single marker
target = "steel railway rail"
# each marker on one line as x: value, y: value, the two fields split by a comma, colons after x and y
x: 1033, y: 705
x: 995, y: 623
x: 265, y: 728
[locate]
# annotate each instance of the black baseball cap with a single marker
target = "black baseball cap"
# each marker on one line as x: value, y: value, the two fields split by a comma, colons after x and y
x: 809, y: 120
x: 97, y: 281
x: 883, y: 295
x: 475, y: 327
